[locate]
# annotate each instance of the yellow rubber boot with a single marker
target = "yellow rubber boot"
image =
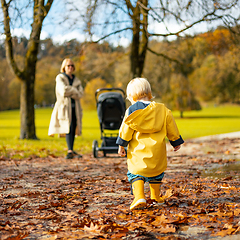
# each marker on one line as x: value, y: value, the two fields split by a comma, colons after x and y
x: 155, y: 192
x: 139, y: 197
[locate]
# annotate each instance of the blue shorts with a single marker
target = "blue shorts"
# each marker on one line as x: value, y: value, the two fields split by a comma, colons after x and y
x: 157, y: 178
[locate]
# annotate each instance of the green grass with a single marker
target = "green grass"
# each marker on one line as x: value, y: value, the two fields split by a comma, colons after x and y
x: 209, y: 121
x: 11, y: 145
x: 205, y: 127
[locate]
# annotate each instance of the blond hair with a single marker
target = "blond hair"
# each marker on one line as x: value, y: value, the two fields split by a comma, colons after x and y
x: 138, y: 88
x: 65, y: 63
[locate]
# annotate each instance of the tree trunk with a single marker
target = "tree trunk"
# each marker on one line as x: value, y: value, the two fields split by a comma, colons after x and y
x: 134, y: 56
x: 27, y: 114
x: 144, y: 36
x: 139, y: 39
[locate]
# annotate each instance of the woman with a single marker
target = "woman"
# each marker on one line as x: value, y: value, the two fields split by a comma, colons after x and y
x: 67, y: 113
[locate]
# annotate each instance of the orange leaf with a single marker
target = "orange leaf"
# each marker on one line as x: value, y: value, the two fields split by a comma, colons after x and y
x: 160, y: 220
x: 168, y: 194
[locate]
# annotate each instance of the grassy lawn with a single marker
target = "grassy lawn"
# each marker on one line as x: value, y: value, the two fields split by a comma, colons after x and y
x: 209, y: 121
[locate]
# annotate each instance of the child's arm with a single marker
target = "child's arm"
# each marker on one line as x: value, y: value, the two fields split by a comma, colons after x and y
x: 173, y: 135
x: 121, y: 151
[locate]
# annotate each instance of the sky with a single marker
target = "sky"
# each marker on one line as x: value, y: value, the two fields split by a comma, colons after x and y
x: 51, y: 29
x: 60, y: 33
x: 59, y: 36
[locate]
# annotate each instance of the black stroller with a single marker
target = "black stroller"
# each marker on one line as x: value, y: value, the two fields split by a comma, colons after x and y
x: 111, y: 108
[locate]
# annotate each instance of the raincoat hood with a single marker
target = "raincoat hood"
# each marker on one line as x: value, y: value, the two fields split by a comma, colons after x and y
x: 148, y: 120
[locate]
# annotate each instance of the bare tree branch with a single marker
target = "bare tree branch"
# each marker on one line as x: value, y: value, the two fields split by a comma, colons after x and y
x: 164, y: 56
x: 8, y: 40
x: 112, y: 33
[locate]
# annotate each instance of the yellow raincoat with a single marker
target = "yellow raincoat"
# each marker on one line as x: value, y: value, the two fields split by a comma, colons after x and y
x: 144, y: 132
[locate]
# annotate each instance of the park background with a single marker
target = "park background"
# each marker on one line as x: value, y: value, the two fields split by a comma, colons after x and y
x: 204, y: 95
x: 193, y: 69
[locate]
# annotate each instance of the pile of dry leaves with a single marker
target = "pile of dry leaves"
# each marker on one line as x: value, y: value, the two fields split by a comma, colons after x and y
x: 55, y: 198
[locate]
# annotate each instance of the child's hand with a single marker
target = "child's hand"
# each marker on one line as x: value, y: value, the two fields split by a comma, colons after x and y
x: 177, y: 148
x: 121, y: 151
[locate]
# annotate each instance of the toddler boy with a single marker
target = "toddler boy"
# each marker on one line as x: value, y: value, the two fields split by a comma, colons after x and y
x: 143, y: 130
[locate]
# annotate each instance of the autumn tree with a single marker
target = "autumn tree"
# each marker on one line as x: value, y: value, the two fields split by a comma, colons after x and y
x: 99, y: 61
x: 216, y: 66
x: 218, y: 78
x: 13, y: 10
x: 170, y: 78
x: 228, y: 77
x: 180, y: 96
x: 47, y: 68
x: 5, y: 85
x: 28, y: 14
x: 145, y: 19
x: 89, y: 101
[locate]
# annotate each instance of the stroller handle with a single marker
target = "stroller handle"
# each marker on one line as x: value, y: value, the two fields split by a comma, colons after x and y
x: 108, y: 89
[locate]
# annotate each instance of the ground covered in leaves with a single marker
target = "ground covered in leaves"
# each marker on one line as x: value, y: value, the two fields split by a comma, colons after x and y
x: 55, y: 198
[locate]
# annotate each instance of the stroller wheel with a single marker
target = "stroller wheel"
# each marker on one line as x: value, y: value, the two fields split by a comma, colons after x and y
x: 95, y: 148
x: 104, y: 153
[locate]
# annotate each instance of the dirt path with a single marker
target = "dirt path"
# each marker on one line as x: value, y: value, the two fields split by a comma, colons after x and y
x: 88, y: 198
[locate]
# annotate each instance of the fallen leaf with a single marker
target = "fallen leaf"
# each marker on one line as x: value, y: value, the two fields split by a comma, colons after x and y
x: 93, y: 228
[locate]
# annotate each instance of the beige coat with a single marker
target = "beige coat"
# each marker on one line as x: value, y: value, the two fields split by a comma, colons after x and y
x: 62, y: 111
